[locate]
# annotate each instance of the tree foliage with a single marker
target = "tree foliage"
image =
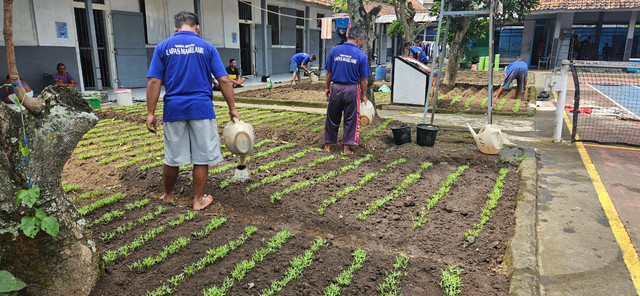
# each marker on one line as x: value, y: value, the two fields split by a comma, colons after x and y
x: 395, y: 29
x: 462, y: 30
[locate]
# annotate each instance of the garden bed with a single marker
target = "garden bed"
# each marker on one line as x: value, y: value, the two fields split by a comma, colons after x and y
x: 372, y: 200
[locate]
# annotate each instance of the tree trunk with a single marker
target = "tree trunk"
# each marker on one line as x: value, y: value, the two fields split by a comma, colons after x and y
x: 456, y: 51
x: 404, y: 14
x: 68, y: 263
x: 358, y: 16
x: 33, y: 105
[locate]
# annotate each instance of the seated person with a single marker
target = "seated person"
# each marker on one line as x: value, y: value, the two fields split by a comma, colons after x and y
x: 234, y: 73
x: 63, y: 78
x: 8, y: 95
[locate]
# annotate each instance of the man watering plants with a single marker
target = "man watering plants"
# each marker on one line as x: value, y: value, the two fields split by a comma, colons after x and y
x: 517, y: 71
x: 300, y: 60
x: 185, y: 63
x: 346, y: 85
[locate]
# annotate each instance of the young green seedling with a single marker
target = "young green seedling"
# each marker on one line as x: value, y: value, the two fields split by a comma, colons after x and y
x: 297, y: 266
x: 242, y: 268
x: 450, y: 282
x: 391, y: 284
x: 488, y: 209
x: 211, y: 257
x: 421, y: 218
x: 277, y: 196
x: 363, y: 181
x: 396, y: 192
x: 345, y: 277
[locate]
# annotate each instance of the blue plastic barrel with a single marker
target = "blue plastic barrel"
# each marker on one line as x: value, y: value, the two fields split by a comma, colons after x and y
x: 381, y: 73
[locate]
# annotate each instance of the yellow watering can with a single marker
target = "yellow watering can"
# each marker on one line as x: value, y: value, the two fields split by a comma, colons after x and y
x: 489, y: 139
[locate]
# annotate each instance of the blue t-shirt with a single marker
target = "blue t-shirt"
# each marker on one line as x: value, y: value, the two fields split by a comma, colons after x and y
x: 516, y: 65
x: 347, y: 64
x: 185, y: 63
x: 300, y: 58
x: 414, y: 53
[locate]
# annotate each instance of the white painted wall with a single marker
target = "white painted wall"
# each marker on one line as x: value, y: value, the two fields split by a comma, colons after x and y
x: 23, y: 24
x: 47, y: 13
x: 230, y: 24
x: 212, y: 21
x: 173, y: 7
x: 156, y: 21
x: 125, y: 5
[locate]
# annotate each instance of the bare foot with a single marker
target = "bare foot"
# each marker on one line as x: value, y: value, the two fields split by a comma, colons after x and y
x: 327, y: 148
x: 347, y: 150
x: 203, y: 202
x: 167, y: 197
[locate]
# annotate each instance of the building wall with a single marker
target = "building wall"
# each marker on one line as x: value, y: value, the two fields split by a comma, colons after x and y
x: 34, y: 61
x: 125, y: 5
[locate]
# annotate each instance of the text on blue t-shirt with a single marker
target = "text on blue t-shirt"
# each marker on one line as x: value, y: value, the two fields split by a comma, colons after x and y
x: 300, y: 58
x: 347, y: 64
x: 185, y: 63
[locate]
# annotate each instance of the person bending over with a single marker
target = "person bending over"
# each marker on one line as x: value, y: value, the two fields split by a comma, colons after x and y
x: 185, y: 63
x: 300, y: 60
x: 518, y: 71
x: 346, y: 86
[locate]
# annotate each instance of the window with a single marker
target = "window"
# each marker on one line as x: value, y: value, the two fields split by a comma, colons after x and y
x: 510, y: 42
x: 319, y: 16
x: 300, y: 20
x: 274, y: 21
x: 244, y: 10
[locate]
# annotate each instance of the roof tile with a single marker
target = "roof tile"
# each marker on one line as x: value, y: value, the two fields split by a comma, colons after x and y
x: 587, y: 4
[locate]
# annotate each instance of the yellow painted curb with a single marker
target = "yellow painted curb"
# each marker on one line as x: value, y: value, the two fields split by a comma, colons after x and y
x: 611, y: 147
x: 617, y: 227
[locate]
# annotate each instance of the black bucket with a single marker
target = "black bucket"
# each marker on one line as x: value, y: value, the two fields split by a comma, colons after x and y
x: 426, y: 134
x: 401, y: 134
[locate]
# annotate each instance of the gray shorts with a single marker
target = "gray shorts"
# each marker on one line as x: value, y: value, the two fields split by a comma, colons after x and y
x: 520, y: 75
x: 191, y: 141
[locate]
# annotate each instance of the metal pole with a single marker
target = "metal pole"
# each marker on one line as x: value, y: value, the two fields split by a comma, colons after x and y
x: 265, y: 38
x: 93, y: 42
x: 440, y: 65
x: 562, y: 98
x: 491, y: 58
x: 433, y: 63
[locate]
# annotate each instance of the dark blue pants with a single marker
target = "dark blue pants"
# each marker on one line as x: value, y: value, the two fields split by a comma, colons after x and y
x: 343, y: 99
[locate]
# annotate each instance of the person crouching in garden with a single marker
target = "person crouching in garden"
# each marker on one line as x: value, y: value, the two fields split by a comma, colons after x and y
x: 185, y: 63
x: 517, y: 71
x: 346, y: 85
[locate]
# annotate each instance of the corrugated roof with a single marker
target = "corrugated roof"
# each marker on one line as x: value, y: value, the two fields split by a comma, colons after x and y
x: 587, y: 4
x: 418, y: 18
x: 388, y: 9
x: 328, y: 3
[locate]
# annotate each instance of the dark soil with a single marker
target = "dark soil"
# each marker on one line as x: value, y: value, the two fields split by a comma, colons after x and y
x: 306, y: 91
x: 383, y: 234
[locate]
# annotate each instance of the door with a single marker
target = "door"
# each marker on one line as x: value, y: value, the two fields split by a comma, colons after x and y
x: 130, y: 50
x: 246, y: 58
x: 299, y: 40
x: 82, y: 27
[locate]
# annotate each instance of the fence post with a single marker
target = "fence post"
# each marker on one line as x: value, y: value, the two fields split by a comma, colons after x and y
x: 560, y: 86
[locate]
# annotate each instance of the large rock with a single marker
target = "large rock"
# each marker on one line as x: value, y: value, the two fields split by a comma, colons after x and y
x: 62, y: 265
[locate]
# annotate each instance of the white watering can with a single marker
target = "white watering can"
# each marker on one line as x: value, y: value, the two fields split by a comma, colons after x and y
x: 489, y: 139
x: 238, y: 137
x: 240, y: 140
x: 367, y: 112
